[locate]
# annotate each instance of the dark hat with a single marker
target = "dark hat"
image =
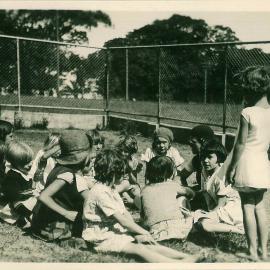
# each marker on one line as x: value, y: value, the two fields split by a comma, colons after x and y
x: 164, y: 133
x: 74, y: 146
x: 202, y: 132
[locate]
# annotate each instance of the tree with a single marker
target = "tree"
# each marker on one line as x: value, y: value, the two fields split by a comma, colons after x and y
x: 181, y: 67
x: 220, y: 33
x: 73, y: 24
x: 38, y: 60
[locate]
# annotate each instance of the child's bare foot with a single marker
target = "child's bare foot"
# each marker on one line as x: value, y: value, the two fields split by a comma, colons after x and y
x: 263, y: 255
x: 248, y: 256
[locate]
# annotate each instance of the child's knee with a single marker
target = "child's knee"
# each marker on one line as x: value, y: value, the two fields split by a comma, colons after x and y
x: 203, y: 225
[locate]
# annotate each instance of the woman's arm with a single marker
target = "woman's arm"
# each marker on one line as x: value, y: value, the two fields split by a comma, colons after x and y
x: 238, y: 148
x: 46, y: 198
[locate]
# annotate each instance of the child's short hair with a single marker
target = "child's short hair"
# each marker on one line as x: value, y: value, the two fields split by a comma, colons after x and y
x: 108, y: 163
x: 159, y: 169
x: 95, y: 137
x: 19, y: 154
x: 128, y: 144
x: 255, y: 82
x: 5, y: 129
x: 202, y: 133
x: 215, y: 147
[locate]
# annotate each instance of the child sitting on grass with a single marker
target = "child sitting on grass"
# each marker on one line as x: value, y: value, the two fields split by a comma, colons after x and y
x: 96, y: 141
x: 165, y: 202
x: 44, y: 161
x: 18, y: 186
x: 58, y: 214
x: 109, y: 227
x: 161, y: 146
x: 223, y: 203
x: 129, y: 187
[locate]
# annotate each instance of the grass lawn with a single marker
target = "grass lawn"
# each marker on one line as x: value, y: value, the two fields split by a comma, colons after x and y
x: 210, y: 113
x: 16, y: 246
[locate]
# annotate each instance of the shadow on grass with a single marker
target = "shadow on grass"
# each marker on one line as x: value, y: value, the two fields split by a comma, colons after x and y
x: 225, y: 242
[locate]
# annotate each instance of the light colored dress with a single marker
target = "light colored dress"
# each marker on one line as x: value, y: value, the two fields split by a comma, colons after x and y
x: 100, y: 227
x: 172, y: 152
x: 163, y: 213
x: 253, y: 168
x: 213, y: 188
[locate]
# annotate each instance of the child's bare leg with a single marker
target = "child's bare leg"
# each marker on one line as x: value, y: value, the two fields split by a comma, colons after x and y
x: 248, y: 207
x: 148, y: 254
x: 262, y: 228
x: 174, y: 254
x: 211, y: 226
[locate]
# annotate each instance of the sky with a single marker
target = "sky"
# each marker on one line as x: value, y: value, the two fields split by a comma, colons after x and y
x: 249, y: 19
x: 248, y: 26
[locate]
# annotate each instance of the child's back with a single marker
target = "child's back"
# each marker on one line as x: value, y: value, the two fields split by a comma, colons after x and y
x: 163, y: 212
x: 160, y: 203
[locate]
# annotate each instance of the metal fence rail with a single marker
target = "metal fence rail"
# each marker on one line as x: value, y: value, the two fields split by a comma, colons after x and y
x: 176, y: 84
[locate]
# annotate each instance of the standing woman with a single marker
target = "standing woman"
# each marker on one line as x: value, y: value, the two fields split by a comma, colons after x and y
x: 249, y: 169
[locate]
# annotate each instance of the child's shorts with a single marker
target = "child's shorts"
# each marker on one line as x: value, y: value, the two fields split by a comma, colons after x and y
x: 107, y: 241
x: 172, y: 229
x: 115, y: 243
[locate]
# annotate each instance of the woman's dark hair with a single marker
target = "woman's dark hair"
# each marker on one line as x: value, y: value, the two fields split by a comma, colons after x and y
x: 159, y: 169
x: 108, y: 163
x: 255, y: 82
x: 216, y: 148
x: 128, y: 144
x: 95, y: 137
x: 5, y: 129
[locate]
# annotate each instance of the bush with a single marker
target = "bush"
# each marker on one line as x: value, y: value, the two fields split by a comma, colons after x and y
x: 43, y: 124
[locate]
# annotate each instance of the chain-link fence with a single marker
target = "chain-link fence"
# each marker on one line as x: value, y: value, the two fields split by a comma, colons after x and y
x: 183, y: 84
x: 175, y: 85
x: 52, y: 75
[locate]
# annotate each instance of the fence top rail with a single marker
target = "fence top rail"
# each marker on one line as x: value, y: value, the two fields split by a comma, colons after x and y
x: 192, y: 44
x: 51, y: 42
x: 139, y: 46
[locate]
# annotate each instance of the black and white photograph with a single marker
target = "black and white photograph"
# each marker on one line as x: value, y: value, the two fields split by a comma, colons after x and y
x: 135, y: 132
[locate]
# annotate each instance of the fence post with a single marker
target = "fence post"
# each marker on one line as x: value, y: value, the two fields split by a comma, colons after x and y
x: 18, y: 114
x: 225, y: 95
x: 19, y: 76
x: 159, y: 88
x: 127, y: 75
x: 107, y: 87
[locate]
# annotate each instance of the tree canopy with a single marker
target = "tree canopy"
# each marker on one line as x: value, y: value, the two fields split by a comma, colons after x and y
x: 38, y: 61
x: 181, y: 67
x: 72, y: 24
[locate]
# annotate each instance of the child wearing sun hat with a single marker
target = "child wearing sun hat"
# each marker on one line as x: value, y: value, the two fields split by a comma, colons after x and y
x: 162, y: 146
x: 58, y: 213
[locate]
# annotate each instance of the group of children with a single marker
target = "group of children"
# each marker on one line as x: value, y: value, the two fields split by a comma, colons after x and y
x: 78, y: 186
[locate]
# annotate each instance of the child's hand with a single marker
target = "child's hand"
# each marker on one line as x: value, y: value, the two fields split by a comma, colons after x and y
x: 145, y: 238
x: 229, y: 176
x: 71, y: 215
